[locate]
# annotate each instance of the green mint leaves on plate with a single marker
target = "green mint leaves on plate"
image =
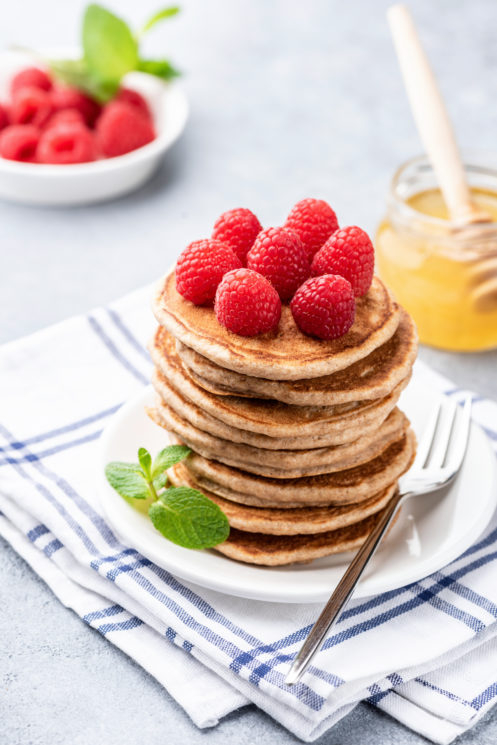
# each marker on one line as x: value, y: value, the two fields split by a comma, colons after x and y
x: 183, y: 515
x: 110, y: 50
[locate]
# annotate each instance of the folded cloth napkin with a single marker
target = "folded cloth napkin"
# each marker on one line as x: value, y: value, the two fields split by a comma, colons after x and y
x: 426, y: 653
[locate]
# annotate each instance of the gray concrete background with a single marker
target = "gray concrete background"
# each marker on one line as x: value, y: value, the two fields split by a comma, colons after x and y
x: 289, y: 99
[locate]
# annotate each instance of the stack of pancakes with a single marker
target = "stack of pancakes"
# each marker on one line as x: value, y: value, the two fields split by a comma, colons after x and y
x: 298, y: 440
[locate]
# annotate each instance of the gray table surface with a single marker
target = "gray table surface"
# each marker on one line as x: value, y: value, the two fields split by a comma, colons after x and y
x: 289, y: 99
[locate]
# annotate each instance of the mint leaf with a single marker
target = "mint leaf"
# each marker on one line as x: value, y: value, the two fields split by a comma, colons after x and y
x: 161, y: 15
x: 169, y: 457
x: 127, y: 479
x: 161, y: 68
x: 110, y: 49
x: 160, y: 481
x: 186, y: 517
x: 145, y: 461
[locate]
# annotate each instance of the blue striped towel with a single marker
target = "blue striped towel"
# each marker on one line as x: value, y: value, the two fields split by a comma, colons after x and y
x: 426, y: 653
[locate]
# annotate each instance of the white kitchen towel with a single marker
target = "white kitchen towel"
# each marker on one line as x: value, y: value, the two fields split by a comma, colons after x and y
x: 426, y: 653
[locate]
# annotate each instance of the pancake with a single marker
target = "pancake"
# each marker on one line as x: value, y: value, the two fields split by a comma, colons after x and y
x: 342, y: 487
x: 252, y: 414
x: 306, y: 432
x: 287, y: 353
x: 374, y: 376
x: 278, y: 550
x: 282, y: 464
x: 303, y: 520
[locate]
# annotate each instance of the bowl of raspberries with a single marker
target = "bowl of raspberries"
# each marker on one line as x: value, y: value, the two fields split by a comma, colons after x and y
x: 59, y: 146
x: 246, y: 272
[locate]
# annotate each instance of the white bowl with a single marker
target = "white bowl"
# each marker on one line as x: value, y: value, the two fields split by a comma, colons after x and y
x: 83, y: 183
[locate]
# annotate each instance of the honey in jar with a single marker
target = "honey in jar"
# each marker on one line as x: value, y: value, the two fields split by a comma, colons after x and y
x: 445, y: 276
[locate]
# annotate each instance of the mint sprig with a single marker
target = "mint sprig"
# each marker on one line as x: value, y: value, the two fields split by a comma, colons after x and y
x: 110, y: 50
x: 183, y: 515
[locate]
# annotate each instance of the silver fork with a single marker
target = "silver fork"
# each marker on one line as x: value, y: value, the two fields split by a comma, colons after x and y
x: 439, y: 458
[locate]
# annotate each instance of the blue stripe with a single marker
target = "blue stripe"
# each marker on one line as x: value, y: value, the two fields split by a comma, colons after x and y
x: 395, y: 679
x: 112, y: 574
x: 485, y: 697
x: 130, y: 623
x: 118, y: 322
x: 375, y: 688
x: 443, y: 692
x: 374, y: 602
x: 52, y: 547
x: 259, y: 673
x: 61, y: 430
x: 377, y: 697
x: 170, y: 634
x: 112, y: 610
x: 32, y: 457
x: 96, y: 563
x: 35, y: 533
x: 115, y: 351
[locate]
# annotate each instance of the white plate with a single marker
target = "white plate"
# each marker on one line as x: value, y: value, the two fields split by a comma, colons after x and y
x: 83, y: 183
x: 431, y: 531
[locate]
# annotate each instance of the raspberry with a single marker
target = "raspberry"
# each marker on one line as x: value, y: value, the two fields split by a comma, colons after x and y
x: 67, y: 143
x: 66, y: 116
x: 19, y: 142
x: 4, y: 116
x: 324, y: 306
x: 134, y: 99
x: 31, y: 106
x: 239, y: 229
x: 247, y: 304
x: 121, y: 128
x: 71, y: 98
x: 279, y: 255
x: 349, y: 253
x: 30, y: 77
x: 201, y: 267
x: 314, y: 221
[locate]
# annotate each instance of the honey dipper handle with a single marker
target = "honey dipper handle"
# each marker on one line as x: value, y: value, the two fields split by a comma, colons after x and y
x: 431, y: 117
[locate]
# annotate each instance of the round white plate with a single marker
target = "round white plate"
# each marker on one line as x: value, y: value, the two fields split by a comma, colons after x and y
x: 431, y: 531
x: 84, y: 183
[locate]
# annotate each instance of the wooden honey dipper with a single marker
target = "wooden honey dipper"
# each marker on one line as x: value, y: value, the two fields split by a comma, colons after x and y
x: 470, y: 224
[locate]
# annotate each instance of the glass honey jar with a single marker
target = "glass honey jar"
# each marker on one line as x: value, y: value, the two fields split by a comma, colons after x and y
x: 445, y: 275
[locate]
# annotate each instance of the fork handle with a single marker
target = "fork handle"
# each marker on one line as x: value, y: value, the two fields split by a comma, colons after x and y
x: 342, y: 592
